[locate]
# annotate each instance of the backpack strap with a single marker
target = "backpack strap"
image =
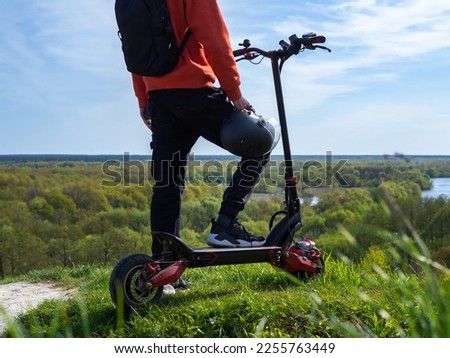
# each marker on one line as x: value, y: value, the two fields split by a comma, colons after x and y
x: 183, y: 43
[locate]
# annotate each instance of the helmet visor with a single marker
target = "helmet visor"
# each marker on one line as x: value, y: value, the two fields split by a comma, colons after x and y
x: 277, y: 135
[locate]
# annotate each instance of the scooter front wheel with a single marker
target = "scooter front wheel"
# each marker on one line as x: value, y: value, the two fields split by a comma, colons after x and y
x: 128, y: 283
x: 303, y: 260
x: 305, y: 275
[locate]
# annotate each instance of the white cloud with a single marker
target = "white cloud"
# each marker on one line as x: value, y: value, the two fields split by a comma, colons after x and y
x: 80, y: 34
x: 394, y: 30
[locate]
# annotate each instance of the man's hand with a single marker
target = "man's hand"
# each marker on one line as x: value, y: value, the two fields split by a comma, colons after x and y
x: 147, y: 121
x: 243, y: 105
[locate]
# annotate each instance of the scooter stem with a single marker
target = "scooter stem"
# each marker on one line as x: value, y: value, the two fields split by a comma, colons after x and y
x: 291, y: 180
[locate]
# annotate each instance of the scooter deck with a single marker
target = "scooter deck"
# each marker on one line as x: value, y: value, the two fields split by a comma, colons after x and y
x: 213, y: 256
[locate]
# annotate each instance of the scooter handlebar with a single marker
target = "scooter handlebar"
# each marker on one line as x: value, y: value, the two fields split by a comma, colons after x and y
x: 294, y: 46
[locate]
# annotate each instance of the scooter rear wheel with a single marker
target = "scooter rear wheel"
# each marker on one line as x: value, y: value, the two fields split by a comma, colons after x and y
x: 127, y: 284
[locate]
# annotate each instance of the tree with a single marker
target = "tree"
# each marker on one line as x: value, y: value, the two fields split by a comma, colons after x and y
x: 194, y: 216
x: 88, y: 198
x: 407, y: 195
x: 41, y: 208
x: 62, y: 242
x: 434, y: 221
x: 313, y: 226
x: 65, y: 209
x: 6, y: 239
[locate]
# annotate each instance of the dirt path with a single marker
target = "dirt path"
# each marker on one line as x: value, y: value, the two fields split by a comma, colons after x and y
x: 16, y: 298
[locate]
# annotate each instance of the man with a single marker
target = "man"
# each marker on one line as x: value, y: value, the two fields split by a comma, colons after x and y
x: 183, y: 105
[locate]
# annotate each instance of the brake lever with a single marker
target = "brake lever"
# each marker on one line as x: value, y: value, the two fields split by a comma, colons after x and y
x: 322, y: 47
x: 248, y: 57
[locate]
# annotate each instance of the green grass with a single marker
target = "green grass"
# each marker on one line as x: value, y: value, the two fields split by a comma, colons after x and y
x: 256, y: 300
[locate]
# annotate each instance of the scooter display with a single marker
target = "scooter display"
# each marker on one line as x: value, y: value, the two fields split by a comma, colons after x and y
x: 138, y: 279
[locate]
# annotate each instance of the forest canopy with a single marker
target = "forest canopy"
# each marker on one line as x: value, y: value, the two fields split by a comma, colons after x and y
x: 72, y: 211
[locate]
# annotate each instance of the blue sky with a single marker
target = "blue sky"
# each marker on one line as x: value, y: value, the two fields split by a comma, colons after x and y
x: 384, y: 89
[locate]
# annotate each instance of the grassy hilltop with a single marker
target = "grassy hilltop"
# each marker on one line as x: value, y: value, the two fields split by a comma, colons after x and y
x: 255, y: 301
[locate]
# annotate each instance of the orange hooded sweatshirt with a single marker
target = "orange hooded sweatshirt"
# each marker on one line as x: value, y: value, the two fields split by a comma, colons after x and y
x: 207, y: 56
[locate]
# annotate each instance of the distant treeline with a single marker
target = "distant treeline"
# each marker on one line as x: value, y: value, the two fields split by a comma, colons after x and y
x: 27, y: 158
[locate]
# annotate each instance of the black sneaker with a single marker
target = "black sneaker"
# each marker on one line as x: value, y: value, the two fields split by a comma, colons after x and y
x: 234, y: 235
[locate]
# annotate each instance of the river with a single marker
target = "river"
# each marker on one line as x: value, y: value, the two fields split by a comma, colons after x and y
x: 441, y: 186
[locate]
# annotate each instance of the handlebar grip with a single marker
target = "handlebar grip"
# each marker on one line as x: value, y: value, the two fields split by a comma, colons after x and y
x: 240, y: 52
x: 318, y: 39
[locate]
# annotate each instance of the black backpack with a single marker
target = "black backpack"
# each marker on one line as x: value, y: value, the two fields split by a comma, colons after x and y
x: 148, y: 41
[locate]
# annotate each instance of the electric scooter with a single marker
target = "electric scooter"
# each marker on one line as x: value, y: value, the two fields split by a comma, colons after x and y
x: 138, y: 279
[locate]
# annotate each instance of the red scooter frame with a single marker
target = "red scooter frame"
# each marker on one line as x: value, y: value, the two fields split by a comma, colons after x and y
x: 138, y: 279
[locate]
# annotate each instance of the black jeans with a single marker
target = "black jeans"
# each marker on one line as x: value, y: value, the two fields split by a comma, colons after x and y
x: 179, y: 118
